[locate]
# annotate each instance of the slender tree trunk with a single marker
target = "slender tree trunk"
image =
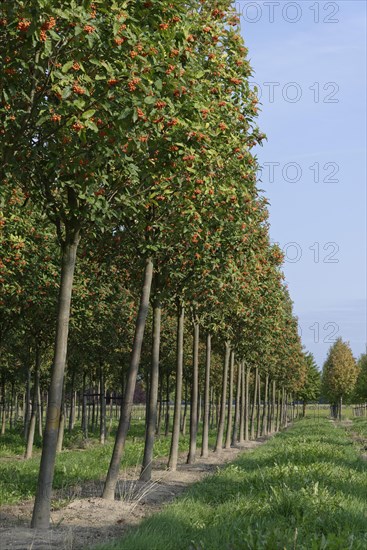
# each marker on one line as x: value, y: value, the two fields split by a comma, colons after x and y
x: 258, y: 410
x: 254, y: 401
x: 199, y: 405
x: 184, y: 417
x: 194, y: 396
x: 242, y: 437
x: 41, y: 510
x: 40, y: 412
x: 11, y: 406
x: 102, y: 416
x: 230, y: 401
x: 159, y: 421
x: 264, y: 429
x: 219, y: 442
x: 278, y: 412
x: 246, y: 376
x: 85, y: 408
x: 146, y: 471
x: 72, y: 404
x: 60, y: 437
x: 211, y: 408
x: 113, y: 471
x: 340, y: 408
x: 3, y: 408
x: 173, y: 455
x: 27, y: 405
x: 32, y: 424
x: 205, y: 437
x: 167, y: 415
x: 273, y: 397
x: 237, y: 407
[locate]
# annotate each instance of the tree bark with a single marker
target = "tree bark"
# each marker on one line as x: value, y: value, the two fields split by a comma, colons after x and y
x: 273, y: 397
x: 253, y: 409
x: 113, y: 471
x: 205, y: 437
x: 194, y: 396
x: 173, y: 455
x: 32, y: 423
x: 72, y: 404
x: 264, y: 428
x: 220, y: 432
x: 184, y: 416
x: 230, y: 401
x: 237, y: 407
x: 102, y: 416
x: 246, y: 376
x: 167, y: 415
x: 27, y: 403
x: 85, y: 408
x: 242, y: 405
x: 146, y: 470
x: 41, y: 510
x: 159, y: 420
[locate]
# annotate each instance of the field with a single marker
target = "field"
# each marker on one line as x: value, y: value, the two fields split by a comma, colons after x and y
x: 304, y: 488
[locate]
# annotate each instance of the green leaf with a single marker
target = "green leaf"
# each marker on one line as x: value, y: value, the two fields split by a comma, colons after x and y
x: 65, y: 68
x: 88, y: 114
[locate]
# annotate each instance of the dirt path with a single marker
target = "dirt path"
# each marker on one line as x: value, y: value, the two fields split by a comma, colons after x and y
x: 88, y: 520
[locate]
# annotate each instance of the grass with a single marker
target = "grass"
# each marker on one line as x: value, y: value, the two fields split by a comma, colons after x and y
x: 78, y: 463
x: 305, y: 489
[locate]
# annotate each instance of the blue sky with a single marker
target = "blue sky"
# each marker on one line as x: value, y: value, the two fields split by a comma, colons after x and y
x: 309, y: 62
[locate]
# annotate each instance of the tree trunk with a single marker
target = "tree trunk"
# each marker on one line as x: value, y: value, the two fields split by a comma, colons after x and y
x: 254, y: 405
x: 167, y: 416
x: 41, y: 510
x: 273, y: 397
x: 194, y: 396
x: 32, y: 423
x: 246, y: 376
x: 159, y: 421
x: 39, y: 412
x: 85, y: 408
x: 264, y: 429
x: 173, y: 455
x: 184, y: 417
x: 102, y: 416
x: 113, y: 471
x: 60, y: 436
x: 278, y: 413
x: 230, y: 401
x: 237, y: 406
x: 3, y: 407
x: 27, y: 404
x: 146, y: 471
x: 72, y: 404
x: 219, y: 441
x: 205, y: 437
x: 211, y: 408
x: 258, y: 410
x: 340, y: 408
x: 243, y: 404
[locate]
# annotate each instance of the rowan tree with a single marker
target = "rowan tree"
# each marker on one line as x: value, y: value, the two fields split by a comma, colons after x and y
x: 339, y: 375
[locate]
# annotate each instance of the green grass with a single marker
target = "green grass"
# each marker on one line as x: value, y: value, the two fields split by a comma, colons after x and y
x: 76, y: 464
x: 306, y: 489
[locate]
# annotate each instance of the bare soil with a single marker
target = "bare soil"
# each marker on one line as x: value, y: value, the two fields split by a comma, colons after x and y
x: 86, y: 519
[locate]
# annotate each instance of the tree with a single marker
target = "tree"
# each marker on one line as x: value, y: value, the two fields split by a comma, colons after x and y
x: 361, y: 384
x: 310, y: 392
x: 339, y: 375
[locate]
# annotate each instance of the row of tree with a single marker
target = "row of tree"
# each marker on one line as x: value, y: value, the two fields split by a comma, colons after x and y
x: 128, y: 181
